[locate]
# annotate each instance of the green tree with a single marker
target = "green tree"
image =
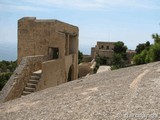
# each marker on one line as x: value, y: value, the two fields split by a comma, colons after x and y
x: 6, y: 70
x: 147, y: 45
x: 154, y: 50
x: 3, y: 67
x: 120, y: 55
x: 156, y: 38
x: 4, y: 77
x: 119, y: 47
x: 140, y: 48
x: 140, y: 58
x: 80, y: 57
x: 8, y: 65
x: 118, y: 61
x: 154, y: 53
x: 149, y: 53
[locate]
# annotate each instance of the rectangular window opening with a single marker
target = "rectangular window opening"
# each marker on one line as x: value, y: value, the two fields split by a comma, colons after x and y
x: 53, y: 53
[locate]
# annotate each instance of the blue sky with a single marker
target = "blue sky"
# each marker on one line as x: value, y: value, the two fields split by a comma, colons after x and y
x: 130, y: 21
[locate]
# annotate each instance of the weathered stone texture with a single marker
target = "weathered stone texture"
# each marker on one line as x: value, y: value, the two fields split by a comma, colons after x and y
x: 104, y: 50
x: 126, y: 94
x: 15, y: 85
x: 86, y: 68
x: 57, y: 42
x: 35, y: 37
x: 43, y: 35
x: 47, y: 79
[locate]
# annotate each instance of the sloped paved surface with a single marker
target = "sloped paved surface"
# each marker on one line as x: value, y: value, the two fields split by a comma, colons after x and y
x: 131, y: 93
x: 103, y: 69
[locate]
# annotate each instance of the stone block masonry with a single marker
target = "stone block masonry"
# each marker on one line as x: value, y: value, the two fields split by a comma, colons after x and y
x: 57, y: 44
x: 15, y: 85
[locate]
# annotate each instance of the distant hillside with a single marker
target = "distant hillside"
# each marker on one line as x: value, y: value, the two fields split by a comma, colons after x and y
x: 6, y: 70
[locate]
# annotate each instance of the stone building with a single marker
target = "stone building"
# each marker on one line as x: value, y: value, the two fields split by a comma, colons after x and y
x: 103, y: 50
x: 47, y: 56
x: 130, y: 55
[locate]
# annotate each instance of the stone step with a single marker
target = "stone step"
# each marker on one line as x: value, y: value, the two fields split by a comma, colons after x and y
x: 28, y: 89
x: 35, y: 77
x: 26, y: 93
x: 33, y: 81
x: 37, y: 73
x: 31, y: 85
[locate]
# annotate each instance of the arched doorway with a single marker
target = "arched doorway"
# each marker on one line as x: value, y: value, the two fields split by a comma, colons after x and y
x: 70, y: 73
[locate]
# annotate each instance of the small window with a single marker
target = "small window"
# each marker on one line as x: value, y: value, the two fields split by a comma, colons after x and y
x: 102, y: 46
x: 107, y: 47
x: 54, y: 53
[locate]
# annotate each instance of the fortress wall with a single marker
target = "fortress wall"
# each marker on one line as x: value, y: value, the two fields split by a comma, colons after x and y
x: 15, y: 85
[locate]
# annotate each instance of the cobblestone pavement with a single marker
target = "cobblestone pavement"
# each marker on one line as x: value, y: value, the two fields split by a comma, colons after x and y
x: 131, y: 93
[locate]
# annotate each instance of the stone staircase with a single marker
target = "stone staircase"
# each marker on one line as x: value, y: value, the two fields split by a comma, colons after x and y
x: 32, y: 83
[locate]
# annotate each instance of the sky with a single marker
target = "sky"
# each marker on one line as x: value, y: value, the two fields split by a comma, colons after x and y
x: 130, y: 21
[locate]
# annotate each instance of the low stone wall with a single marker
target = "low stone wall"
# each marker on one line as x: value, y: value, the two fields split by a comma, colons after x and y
x: 86, y: 58
x: 83, y: 69
x: 53, y: 74
x: 92, y: 67
x: 15, y: 85
x: 86, y: 68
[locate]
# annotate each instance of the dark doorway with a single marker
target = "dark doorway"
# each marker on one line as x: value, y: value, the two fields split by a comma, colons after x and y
x: 104, y: 61
x: 70, y: 74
